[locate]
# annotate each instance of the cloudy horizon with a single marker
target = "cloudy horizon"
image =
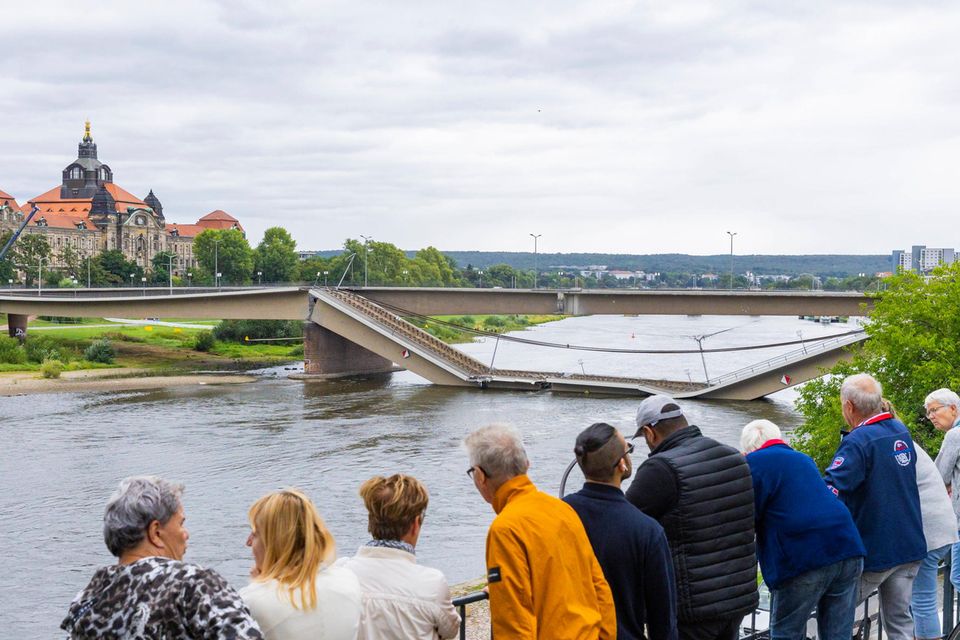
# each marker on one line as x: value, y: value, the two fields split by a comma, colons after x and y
x: 617, y: 127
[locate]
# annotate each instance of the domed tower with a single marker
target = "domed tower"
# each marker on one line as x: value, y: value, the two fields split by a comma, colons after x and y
x: 83, y: 177
x: 154, y: 203
x: 103, y: 208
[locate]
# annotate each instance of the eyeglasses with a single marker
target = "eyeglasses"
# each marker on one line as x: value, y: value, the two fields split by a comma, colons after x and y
x: 625, y: 453
x: 933, y: 410
x: 474, y: 468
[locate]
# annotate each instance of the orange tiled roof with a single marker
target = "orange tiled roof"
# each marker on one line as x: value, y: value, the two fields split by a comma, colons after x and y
x: 61, y: 220
x: 51, y: 202
x: 219, y: 220
x: 6, y: 198
x: 186, y: 230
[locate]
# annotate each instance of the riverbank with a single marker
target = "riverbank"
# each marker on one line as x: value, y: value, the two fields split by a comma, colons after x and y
x: 109, y: 380
x: 478, y: 613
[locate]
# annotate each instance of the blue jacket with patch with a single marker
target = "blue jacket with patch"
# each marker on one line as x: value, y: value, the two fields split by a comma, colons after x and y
x: 875, y: 474
x: 801, y: 526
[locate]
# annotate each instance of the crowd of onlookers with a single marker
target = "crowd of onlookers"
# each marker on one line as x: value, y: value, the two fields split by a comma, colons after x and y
x: 673, y: 557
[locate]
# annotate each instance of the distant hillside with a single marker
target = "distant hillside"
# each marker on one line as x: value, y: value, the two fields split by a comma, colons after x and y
x: 821, y: 265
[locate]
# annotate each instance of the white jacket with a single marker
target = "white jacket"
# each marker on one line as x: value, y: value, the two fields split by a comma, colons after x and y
x: 336, y: 617
x: 939, y: 520
x: 401, y: 599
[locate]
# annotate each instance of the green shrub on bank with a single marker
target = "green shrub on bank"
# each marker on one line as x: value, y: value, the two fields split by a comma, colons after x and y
x: 51, y: 368
x: 100, y: 351
x: 239, y: 330
x: 11, y: 352
x: 296, y: 351
x: 494, y: 322
x: 40, y: 348
x: 203, y: 341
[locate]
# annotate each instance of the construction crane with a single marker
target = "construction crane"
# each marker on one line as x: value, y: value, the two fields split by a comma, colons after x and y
x: 16, y: 234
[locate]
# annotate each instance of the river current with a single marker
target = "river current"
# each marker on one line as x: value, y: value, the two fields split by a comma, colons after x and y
x: 61, y: 455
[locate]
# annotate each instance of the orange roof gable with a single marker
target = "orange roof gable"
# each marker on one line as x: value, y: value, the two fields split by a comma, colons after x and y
x: 61, y: 220
x: 186, y: 230
x: 9, y: 200
x: 219, y: 220
x: 50, y: 201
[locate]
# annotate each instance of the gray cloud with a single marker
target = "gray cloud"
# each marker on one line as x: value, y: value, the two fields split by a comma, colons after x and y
x: 654, y: 127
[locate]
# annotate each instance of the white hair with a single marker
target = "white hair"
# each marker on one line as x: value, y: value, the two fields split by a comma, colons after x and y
x: 864, y: 392
x: 498, y: 450
x: 756, y: 433
x: 945, y: 397
x: 138, y: 501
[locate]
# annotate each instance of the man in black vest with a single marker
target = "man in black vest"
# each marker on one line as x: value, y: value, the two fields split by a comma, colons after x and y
x: 701, y: 493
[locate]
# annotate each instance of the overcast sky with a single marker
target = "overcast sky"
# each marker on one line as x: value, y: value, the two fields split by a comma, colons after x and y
x: 806, y: 127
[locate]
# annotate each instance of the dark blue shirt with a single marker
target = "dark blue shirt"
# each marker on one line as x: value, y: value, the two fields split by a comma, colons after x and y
x: 800, y: 524
x: 875, y: 474
x: 633, y: 552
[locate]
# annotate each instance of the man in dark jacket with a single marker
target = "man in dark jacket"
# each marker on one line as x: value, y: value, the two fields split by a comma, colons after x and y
x: 630, y: 546
x: 700, y: 492
x: 874, y: 473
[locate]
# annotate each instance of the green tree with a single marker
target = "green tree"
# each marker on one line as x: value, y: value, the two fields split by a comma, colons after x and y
x: 28, y: 252
x: 226, y: 250
x: 276, y: 256
x: 160, y: 271
x: 71, y: 262
x: 914, y: 348
x: 7, y: 269
x: 446, y: 267
x: 115, y: 269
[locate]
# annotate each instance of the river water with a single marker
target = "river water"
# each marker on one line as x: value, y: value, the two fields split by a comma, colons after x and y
x: 61, y: 455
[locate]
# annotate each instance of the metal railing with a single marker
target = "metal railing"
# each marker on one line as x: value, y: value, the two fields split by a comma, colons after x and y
x: 814, y: 347
x: 864, y: 622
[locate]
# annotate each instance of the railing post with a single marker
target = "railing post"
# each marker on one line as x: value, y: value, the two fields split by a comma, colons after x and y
x: 948, y: 593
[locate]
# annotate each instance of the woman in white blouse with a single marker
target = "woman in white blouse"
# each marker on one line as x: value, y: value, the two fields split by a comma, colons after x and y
x: 295, y: 592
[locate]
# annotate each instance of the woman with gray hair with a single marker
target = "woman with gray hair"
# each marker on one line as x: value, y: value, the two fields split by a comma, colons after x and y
x: 943, y: 410
x: 151, y: 592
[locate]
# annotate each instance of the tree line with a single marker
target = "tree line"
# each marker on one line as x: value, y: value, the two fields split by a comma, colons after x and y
x: 275, y: 260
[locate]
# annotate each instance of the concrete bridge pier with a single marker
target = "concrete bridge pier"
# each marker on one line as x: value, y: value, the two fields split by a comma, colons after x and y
x: 17, y: 325
x: 328, y: 355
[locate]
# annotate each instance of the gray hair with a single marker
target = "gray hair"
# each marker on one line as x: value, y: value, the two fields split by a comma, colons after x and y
x: 946, y: 397
x: 138, y: 501
x: 498, y: 450
x: 864, y: 392
x: 758, y: 432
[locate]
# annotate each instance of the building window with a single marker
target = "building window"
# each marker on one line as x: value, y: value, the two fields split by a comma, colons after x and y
x: 76, y: 173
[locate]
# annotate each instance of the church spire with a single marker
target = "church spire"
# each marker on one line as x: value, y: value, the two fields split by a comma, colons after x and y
x: 86, y: 132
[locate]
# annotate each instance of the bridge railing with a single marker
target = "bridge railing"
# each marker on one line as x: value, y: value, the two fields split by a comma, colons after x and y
x: 808, y: 349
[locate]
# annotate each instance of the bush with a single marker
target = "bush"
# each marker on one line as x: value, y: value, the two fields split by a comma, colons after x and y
x: 100, y: 351
x: 40, y: 348
x: 494, y: 322
x: 203, y: 341
x: 296, y: 351
x: 11, y: 352
x: 237, y: 330
x: 51, y: 368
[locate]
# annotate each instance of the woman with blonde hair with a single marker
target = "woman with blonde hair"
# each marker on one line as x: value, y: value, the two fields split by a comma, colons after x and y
x: 295, y: 592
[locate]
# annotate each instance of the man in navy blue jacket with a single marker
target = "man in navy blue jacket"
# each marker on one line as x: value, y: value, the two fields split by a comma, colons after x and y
x: 631, y: 547
x: 810, y: 552
x: 875, y: 474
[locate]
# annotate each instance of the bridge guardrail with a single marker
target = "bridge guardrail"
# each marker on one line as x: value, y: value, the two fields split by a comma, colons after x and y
x: 819, y: 346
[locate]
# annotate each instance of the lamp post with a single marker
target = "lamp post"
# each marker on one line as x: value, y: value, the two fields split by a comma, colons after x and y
x: 143, y: 283
x: 406, y: 272
x: 259, y: 276
x: 480, y: 273
x: 40, y: 277
x: 216, y: 262
x: 189, y: 279
x: 170, y: 271
x: 325, y: 274
x: 366, y: 239
x: 131, y: 280
x: 536, y: 272
x: 731, y: 234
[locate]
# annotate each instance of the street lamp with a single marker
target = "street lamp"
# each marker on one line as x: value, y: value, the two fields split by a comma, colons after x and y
x: 259, y: 275
x: 131, y: 280
x: 325, y: 274
x: 731, y: 234
x: 216, y: 262
x: 480, y: 273
x: 536, y: 272
x: 170, y: 271
x: 406, y: 272
x: 40, y: 277
x: 559, y: 279
x: 189, y: 279
x: 366, y: 239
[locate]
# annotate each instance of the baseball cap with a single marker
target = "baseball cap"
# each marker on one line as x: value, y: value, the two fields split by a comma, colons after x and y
x: 653, y: 409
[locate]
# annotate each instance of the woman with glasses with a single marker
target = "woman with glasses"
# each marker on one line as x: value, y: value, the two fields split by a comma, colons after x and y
x: 943, y: 410
x: 295, y: 592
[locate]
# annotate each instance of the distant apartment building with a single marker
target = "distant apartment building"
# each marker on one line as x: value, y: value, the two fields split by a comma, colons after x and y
x: 921, y: 259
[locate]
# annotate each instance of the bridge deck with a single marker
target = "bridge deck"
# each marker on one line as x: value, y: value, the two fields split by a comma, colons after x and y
x: 388, y: 335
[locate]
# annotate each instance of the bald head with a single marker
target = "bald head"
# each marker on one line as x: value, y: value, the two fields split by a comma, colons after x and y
x: 862, y: 397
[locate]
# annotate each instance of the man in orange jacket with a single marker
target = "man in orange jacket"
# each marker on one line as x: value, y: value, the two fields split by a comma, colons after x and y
x: 543, y: 578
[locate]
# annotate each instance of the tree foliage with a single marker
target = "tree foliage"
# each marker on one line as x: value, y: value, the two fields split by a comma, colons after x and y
x: 914, y: 348
x: 276, y: 256
x: 226, y: 250
x: 112, y: 266
x: 28, y: 252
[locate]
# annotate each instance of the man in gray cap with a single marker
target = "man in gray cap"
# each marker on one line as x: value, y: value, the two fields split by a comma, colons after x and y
x: 701, y: 493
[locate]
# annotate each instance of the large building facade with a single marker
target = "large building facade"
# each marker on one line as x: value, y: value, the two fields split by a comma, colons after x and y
x: 88, y: 214
x: 922, y: 259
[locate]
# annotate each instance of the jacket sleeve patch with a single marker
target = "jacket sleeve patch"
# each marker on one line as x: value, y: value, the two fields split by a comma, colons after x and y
x: 493, y: 574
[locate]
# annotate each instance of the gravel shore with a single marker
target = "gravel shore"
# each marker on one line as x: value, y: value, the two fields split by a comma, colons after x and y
x: 27, y: 383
